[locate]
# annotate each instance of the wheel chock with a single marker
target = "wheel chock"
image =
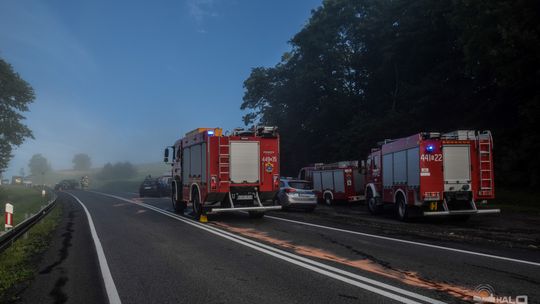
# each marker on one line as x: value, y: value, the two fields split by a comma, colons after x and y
x: 203, y: 218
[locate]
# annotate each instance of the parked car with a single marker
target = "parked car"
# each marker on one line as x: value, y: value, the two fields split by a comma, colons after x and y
x: 149, y: 187
x: 164, y: 185
x: 296, y: 194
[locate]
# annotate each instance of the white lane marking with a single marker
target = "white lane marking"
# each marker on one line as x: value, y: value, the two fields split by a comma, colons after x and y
x: 110, y: 287
x: 407, y: 242
x: 327, y: 270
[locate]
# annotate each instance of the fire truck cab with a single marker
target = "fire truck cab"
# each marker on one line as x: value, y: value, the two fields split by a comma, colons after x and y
x: 214, y: 172
x: 432, y: 174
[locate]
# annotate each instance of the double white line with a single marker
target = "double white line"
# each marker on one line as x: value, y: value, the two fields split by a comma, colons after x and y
x: 385, y: 290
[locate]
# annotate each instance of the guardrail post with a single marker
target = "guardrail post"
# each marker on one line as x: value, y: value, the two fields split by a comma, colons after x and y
x: 9, y: 217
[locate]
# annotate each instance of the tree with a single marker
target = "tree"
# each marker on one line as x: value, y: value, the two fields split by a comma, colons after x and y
x: 81, y: 161
x: 15, y: 96
x: 364, y: 70
x: 38, y: 165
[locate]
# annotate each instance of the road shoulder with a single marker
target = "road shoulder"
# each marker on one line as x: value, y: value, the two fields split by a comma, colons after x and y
x: 70, y: 264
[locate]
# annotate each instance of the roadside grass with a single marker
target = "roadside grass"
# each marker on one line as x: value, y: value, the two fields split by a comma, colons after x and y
x: 24, y: 201
x: 18, y: 263
x: 516, y: 200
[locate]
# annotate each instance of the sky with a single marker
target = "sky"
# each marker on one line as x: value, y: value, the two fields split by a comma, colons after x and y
x: 120, y: 80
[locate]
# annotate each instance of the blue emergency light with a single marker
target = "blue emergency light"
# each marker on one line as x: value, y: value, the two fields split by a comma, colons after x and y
x: 430, y: 148
x: 210, y: 132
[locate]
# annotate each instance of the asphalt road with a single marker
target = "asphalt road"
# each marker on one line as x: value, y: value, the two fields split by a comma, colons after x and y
x: 151, y: 255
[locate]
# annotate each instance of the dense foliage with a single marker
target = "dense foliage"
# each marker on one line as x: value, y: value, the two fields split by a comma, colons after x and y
x: 364, y: 70
x: 15, y: 96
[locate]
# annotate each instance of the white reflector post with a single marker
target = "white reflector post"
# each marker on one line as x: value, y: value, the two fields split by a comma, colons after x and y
x: 9, y: 216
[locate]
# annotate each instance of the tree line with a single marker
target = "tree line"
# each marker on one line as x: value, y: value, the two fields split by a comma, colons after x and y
x: 361, y: 71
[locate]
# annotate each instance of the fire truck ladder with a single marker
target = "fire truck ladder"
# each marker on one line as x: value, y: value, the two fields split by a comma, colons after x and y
x: 485, y: 145
x: 223, y: 160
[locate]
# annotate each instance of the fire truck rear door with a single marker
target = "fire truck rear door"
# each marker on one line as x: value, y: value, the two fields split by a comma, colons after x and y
x: 457, y: 167
x: 244, y: 162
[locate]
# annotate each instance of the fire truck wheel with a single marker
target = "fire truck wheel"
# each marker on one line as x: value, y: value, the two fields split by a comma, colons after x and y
x: 373, y: 206
x: 256, y: 214
x: 402, y: 209
x: 328, y: 199
x: 197, y: 208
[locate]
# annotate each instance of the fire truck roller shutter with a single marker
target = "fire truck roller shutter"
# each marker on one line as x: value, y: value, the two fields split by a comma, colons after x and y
x: 400, y: 167
x: 196, y: 161
x: 186, y: 166
x: 317, y: 181
x: 244, y: 161
x: 339, y: 181
x: 413, y: 167
x: 457, y: 167
x: 327, y: 180
x: 388, y: 169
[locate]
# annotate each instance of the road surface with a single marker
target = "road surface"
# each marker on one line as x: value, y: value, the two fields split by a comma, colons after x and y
x: 119, y: 248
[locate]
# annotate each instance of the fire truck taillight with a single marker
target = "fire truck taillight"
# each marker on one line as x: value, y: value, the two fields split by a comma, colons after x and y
x: 276, y: 181
x: 431, y: 196
x: 213, y: 182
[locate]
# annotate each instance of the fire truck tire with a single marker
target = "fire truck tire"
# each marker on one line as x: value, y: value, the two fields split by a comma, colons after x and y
x: 402, y: 209
x: 256, y: 214
x: 197, y: 208
x: 373, y: 205
x: 328, y: 199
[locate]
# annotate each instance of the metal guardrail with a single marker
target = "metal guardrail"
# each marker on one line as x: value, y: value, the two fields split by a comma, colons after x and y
x: 9, y: 237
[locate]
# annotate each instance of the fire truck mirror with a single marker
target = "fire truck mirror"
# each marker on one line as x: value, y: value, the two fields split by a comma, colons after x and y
x: 166, y: 155
x: 363, y: 167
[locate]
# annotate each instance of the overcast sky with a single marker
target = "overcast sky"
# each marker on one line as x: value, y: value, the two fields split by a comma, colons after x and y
x: 119, y: 80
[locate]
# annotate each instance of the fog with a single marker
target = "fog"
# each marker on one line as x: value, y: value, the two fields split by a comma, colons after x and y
x: 121, y: 83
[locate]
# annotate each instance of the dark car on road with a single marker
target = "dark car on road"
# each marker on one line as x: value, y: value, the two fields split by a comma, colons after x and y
x: 150, y: 187
x: 296, y: 194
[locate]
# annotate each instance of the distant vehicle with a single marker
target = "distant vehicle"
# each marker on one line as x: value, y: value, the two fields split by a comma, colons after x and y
x: 164, y: 185
x: 215, y: 172
x: 5, y: 181
x: 296, y: 194
x: 341, y: 181
x: 150, y: 187
x: 432, y: 174
x: 66, y: 184
x: 85, y: 182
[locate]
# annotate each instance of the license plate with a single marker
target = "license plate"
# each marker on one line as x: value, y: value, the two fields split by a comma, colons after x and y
x: 245, y: 197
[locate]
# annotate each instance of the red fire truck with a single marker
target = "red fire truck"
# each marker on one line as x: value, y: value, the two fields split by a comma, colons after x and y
x: 341, y: 181
x: 214, y: 172
x: 432, y: 174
